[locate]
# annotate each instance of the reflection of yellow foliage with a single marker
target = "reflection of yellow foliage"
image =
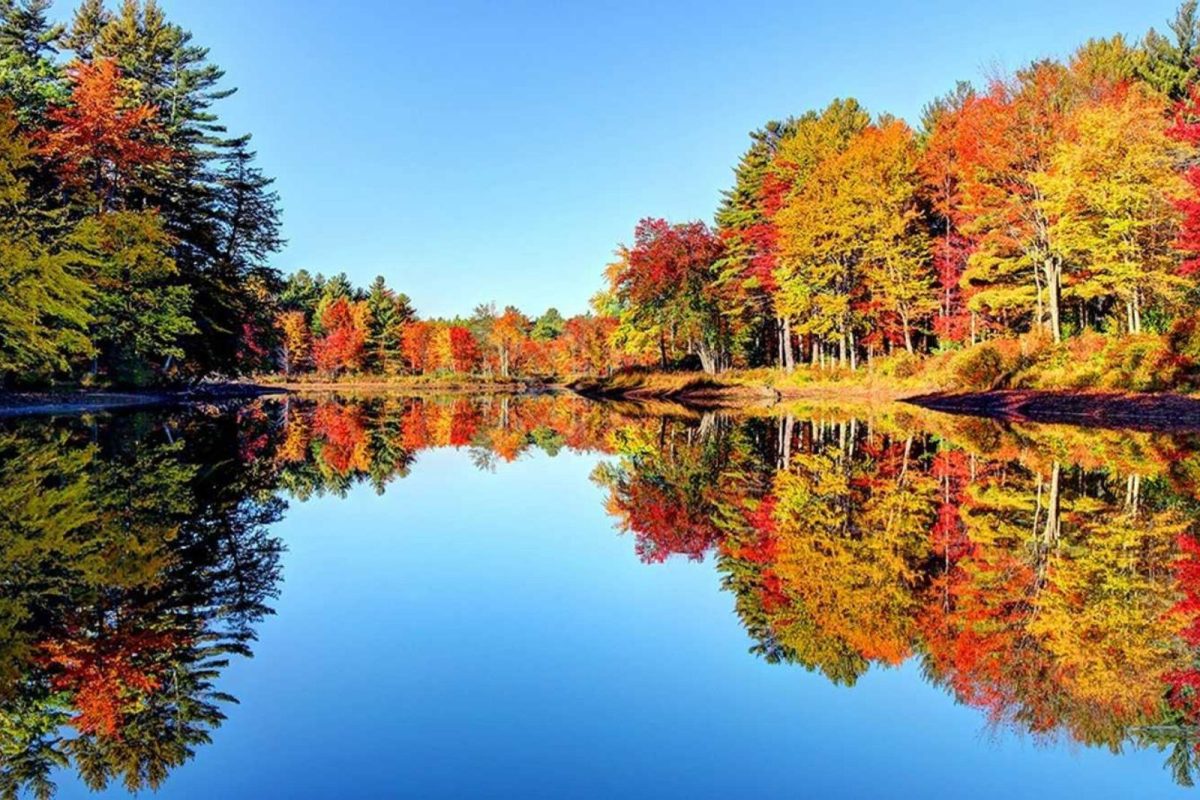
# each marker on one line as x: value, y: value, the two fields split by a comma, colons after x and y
x: 848, y: 553
x: 294, y: 448
x: 1104, y: 614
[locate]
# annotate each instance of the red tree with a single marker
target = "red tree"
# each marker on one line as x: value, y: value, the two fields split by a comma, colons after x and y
x: 101, y: 139
x: 1187, y: 129
x: 414, y: 344
x: 345, y: 338
x: 464, y: 350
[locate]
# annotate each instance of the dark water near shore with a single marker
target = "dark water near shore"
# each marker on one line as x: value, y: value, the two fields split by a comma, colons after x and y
x: 548, y: 597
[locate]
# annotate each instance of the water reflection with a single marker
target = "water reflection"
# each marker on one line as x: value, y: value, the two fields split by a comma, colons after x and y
x: 1049, y: 576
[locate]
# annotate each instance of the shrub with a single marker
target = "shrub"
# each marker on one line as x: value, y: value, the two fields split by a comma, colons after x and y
x: 900, y: 365
x: 979, y: 368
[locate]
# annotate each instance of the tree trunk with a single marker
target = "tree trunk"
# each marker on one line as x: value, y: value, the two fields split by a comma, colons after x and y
x: 708, y: 360
x: 1053, y: 274
x: 789, y: 356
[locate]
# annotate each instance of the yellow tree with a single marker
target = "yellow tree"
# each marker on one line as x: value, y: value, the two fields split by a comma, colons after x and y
x: 1108, y: 196
x: 894, y: 248
x: 295, y: 340
x: 814, y: 287
x: 853, y: 251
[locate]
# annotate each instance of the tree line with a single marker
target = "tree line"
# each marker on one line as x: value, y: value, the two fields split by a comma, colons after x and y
x: 1058, y: 200
x: 330, y: 327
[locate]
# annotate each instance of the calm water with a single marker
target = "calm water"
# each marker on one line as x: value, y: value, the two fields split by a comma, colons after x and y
x: 543, y: 597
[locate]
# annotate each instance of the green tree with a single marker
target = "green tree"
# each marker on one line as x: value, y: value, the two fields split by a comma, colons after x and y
x: 29, y: 78
x: 548, y: 326
x: 141, y: 311
x: 1170, y: 65
x: 43, y: 301
x: 87, y: 28
x: 390, y: 312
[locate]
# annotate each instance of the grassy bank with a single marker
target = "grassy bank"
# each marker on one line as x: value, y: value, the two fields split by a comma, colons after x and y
x: 1088, y: 364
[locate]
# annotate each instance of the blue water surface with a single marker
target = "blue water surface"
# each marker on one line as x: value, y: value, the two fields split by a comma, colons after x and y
x: 476, y: 634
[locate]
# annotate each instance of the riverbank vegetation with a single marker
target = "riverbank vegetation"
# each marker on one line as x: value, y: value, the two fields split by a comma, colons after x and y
x: 134, y: 229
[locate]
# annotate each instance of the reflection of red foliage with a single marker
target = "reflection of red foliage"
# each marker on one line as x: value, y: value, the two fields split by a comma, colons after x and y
x: 345, y: 435
x: 949, y: 537
x: 1185, y: 684
x: 415, y: 427
x: 254, y: 436
x: 106, y: 674
x: 971, y: 637
x: 464, y: 422
x: 764, y: 547
x: 665, y: 526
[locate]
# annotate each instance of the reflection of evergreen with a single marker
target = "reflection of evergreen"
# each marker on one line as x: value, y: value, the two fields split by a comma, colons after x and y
x: 141, y: 565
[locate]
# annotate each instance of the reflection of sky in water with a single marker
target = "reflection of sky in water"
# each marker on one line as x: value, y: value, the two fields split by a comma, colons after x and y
x: 489, y: 635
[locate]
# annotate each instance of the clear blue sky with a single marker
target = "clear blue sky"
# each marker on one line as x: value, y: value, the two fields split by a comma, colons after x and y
x: 487, y: 151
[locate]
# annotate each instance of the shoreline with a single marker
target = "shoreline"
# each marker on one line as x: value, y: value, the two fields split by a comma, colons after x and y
x: 77, y: 401
x: 432, y: 387
x: 1128, y: 411
x: 1144, y: 411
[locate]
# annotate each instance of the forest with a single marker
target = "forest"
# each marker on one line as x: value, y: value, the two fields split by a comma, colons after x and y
x: 1052, y: 210
x: 1043, y: 220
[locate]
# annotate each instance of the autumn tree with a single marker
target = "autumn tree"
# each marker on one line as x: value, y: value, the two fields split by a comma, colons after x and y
x: 508, y: 331
x: 101, y: 144
x: 747, y: 227
x: 343, y: 343
x: 415, y: 342
x: 666, y: 281
x: 814, y: 291
x: 855, y: 230
x: 295, y: 341
x: 464, y: 350
x: 1107, y: 196
x: 941, y: 192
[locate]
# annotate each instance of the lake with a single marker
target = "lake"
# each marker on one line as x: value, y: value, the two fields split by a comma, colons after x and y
x: 547, y: 597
